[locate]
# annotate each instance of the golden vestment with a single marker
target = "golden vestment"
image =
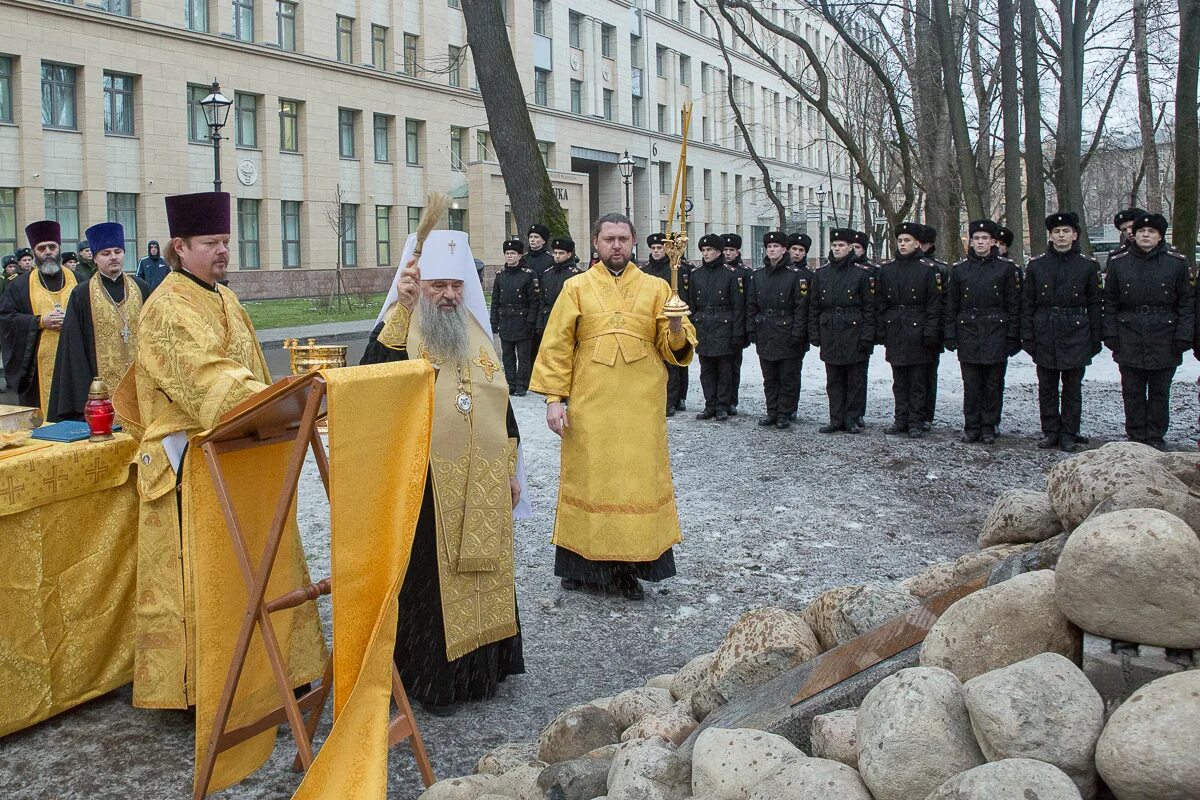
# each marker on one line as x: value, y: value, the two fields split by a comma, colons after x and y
x: 114, y: 327
x: 471, y: 459
x: 605, y: 352
x: 44, y: 302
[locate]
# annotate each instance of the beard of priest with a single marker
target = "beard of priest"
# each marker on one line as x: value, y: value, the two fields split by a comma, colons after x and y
x: 602, y: 367
x: 457, y: 634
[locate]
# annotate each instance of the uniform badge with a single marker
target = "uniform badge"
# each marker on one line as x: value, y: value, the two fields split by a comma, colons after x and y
x: 871, y: 284
x: 937, y: 277
x: 804, y: 287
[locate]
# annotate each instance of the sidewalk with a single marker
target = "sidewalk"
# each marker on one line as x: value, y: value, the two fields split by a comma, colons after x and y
x: 325, y: 333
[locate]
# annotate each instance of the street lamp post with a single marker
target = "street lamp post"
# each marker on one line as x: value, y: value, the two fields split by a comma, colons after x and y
x: 879, y: 220
x: 821, y: 218
x: 216, y: 114
x: 625, y: 165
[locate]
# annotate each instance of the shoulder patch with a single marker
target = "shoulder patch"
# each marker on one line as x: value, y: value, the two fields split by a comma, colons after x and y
x: 803, y: 287
x: 937, y: 279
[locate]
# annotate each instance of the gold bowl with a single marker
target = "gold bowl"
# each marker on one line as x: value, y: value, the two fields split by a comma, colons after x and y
x: 309, y: 357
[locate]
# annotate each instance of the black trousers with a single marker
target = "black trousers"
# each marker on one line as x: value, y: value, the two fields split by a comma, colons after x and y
x: 781, y: 384
x: 717, y: 376
x: 677, y: 385
x: 1147, y: 394
x: 931, y: 382
x: 1060, y: 412
x: 518, y: 363
x: 860, y: 402
x: 737, y: 375
x: 909, y: 388
x: 983, y: 388
x: 843, y: 383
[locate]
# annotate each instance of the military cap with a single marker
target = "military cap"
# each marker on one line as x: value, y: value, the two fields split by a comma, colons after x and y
x: 1058, y: 219
x: 775, y: 237
x: 516, y: 245
x: 540, y: 229
x: 711, y: 240
x: 801, y: 239
x: 984, y: 226
x: 842, y: 235
x: 1006, y: 236
x: 731, y: 240
x: 1156, y: 221
x: 563, y: 244
x: 11, y: 258
x: 198, y: 214
x: 46, y: 230
x: 656, y: 238
x: 1127, y: 215
x: 929, y: 233
x: 22, y: 252
x: 860, y: 238
x: 70, y: 255
x: 912, y: 229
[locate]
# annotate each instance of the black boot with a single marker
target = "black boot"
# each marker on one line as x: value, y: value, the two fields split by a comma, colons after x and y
x: 830, y: 428
x: 784, y: 423
x: 1048, y: 441
x: 768, y: 420
x: 896, y: 429
x: 969, y: 437
x: 1067, y: 443
x: 707, y: 413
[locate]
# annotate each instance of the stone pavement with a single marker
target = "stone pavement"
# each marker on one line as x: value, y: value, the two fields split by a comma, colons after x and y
x: 324, y: 333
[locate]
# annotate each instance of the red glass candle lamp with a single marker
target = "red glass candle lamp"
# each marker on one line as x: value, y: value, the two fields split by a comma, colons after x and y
x: 98, y: 412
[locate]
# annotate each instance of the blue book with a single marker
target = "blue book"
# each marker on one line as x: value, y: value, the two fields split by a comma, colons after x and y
x: 66, y: 431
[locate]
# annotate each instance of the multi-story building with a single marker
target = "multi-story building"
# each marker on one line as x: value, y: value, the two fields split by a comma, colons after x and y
x: 357, y: 109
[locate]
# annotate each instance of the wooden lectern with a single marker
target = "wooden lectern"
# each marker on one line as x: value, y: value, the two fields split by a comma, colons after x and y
x: 287, y: 411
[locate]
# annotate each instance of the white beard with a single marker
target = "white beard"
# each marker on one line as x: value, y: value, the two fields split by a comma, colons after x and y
x: 444, y: 332
x: 49, y: 267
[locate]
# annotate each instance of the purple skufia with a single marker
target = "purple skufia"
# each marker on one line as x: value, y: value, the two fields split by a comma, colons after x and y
x: 199, y: 214
x: 46, y: 230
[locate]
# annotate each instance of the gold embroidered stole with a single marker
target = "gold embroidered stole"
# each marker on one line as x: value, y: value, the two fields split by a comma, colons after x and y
x: 469, y: 458
x: 114, y: 329
x: 616, y: 326
x: 44, y: 302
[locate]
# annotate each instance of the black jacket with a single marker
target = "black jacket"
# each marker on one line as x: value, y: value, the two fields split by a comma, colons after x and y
x: 842, y: 312
x: 716, y: 296
x: 1149, y: 308
x: 661, y: 268
x: 551, y: 285
x: 911, y: 295
x: 777, y: 309
x: 1061, y: 309
x: 983, y: 309
x: 539, y: 261
x: 516, y: 302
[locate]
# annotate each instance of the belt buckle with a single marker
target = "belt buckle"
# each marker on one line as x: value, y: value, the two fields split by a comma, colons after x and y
x: 1143, y: 309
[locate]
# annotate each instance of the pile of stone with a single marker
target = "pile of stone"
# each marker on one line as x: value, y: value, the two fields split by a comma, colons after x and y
x: 993, y: 705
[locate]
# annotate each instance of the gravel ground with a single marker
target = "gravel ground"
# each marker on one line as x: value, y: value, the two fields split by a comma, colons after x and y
x: 769, y: 517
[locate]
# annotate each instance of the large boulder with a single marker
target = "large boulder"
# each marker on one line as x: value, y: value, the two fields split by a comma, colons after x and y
x: 693, y: 673
x: 706, y: 699
x: 661, y: 681
x: 938, y: 578
x: 914, y: 733
x: 1150, y: 749
x: 762, y: 644
x: 501, y: 759
x: 728, y: 764
x: 833, y: 736
x: 1019, y: 515
x: 838, y: 615
x: 470, y: 787
x: 1043, y: 708
x: 577, y: 731
x: 520, y: 783
x: 630, y: 706
x: 1133, y: 575
x: 812, y: 779
x: 1001, y: 625
x: 1043, y: 555
x: 1077, y: 485
x: 1184, y: 466
x: 1010, y: 779
x: 1184, y: 505
x: 582, y: 778
x: 642, y: 770
x: 675, y: 725
x: 824, y: 614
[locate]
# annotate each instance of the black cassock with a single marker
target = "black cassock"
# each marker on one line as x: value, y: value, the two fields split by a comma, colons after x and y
x: 420, y: 628
x: 20, y: 334
x: 75, y: 363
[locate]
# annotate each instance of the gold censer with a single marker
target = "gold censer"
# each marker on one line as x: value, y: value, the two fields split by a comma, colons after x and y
x: 309, y: 357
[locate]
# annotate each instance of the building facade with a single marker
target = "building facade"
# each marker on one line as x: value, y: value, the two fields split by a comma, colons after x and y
x: 348, y: 113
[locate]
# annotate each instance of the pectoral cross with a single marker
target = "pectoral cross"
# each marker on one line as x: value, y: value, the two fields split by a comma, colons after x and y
x: 451, y: 244
x: 125, y: 333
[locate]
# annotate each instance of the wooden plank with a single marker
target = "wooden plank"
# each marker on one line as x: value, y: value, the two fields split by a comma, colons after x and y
x: 897, y: 634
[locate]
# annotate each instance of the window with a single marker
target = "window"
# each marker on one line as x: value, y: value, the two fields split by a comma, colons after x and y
x: 195, y: 15
x: 457, y: 218
x: 414, y: 218
x: 379, y: 48
x: 482, y: 145
x: 289, y: 126
x: 410, y: 54
x: 197, y: 124
x: 290, y: 210
x: 412, y: 141
x: 346, y: 132
x: 345, y: 39
x: 540, y: 17
x: 574, y: 26
x: 664, y: 177
x: 635, y: 49
x: 8, y: 220
x: 608, y: 100
x: 285, y: 22
x: 681, y: 12
x: 708, y: 184
x: 247, y: 232
x: 576, y: 97
x: 685, y: 69
x: 541, y: 87
x: 454, y: 65
x: 117, y: 7
x: 637, y: 112
x: 58, y: 96
x: 660, y: 61
x: 457, y: 135
x: 118, y: 104
x: 454, y: 3
x: 122, y: 208
x: 6, y: 90
x: 544, y: 149
x: 706, y: 130
x: 243, y: 20
x: 662, y: 118
x: 606, y: 40
x: 63, y: 208
x: 349, y: 235
x: 383, y: 150
x: 246, y: 116
x: 383, y: 235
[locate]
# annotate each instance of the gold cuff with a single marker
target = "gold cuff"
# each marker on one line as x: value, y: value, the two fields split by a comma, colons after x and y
x: 512, y: 458
x: 395, y: 328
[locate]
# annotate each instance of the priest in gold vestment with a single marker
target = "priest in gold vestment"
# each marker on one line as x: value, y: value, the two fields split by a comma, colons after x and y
x: 457, y: 635
x: 197, y: 358
x: 603, y: 369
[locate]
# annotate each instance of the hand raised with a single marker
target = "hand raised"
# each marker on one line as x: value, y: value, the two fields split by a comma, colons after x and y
x: 408, y: 286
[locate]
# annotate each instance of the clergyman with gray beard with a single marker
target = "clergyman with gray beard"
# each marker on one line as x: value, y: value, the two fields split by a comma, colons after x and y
x: 31, y: 315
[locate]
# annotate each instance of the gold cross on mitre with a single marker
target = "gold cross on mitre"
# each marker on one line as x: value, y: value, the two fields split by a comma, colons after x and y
x: 451, y: 245
x: 486, y: 364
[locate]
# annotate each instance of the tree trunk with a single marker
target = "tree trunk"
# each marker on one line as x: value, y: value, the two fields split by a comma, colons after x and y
x: 1035, y: 177
x: 1010, y: 111
x: 1141, y: 68
x: 934, y: 149
x: 960, y: 133
x: 1068, y: 150
x: 1187, y: 140
x: 530, y: 192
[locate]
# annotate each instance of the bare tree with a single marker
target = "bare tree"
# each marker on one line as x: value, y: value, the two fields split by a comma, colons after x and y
x: 947, y: 30
x: 341, y: 223
x: 1141, y: 65
x: 1010, y: 109
x: 1031, y: 96
x: 1187, y: 137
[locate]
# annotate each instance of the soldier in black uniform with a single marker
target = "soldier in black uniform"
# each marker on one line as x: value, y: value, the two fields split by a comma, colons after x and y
x: 659, y: 266
x: 841, y: 322
x: 566, y: 265
x: 1123, y: 222
x: 910, y: 296
x: 859, y: 245
x: 516, y: 302
x: 928, y: 239
x: 717, y: 300
x: 1149, y: 321
x: 983, y: 322
x: 1004, y: 241
x: 1061, y: 327
x: 798, y: 246
x: 731, y: 250
x: 777, y: 324
x: 539, y: 258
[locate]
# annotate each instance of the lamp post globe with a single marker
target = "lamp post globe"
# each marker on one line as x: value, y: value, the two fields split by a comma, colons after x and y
x: 216, y: 113
x: 625, y: 166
